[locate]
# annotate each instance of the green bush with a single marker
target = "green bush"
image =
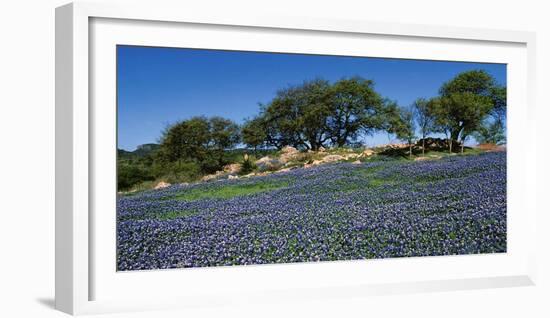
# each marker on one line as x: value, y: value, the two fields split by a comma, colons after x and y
x: 130, y: 175
x: 178, y: 172
x: 247, y: 166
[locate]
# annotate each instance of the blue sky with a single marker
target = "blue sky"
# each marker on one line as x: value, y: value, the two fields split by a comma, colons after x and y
x: 159, y: 86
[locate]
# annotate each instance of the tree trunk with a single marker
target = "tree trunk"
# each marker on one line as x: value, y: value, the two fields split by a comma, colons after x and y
x: 462, y: 147
x: 450, y: 145
x: 410, y: 150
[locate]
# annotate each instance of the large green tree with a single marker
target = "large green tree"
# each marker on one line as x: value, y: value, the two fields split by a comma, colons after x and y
x: 254, y: 133
x: 199, y: 139
x: 315, y: 113
x: 355, y: 108
x: 297, y: 116
x: 185, y: 140
x: 224, y: 134
x: 464, y: 103
x: 459, y: 115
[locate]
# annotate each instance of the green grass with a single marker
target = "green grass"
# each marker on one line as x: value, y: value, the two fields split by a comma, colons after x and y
x: 229, y: 191
x: 176, y: 214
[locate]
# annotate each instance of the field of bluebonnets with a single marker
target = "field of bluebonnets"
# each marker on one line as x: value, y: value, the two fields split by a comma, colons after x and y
x: 342, y: 211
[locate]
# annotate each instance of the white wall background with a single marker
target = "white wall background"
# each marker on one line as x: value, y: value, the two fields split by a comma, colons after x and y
x: 27, y: 157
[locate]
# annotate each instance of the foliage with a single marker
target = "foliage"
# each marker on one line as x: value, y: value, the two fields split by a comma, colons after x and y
x: 355, y: 107
x: 199, y: 139
x: 406, y: 128
x: 178, y: 171
x: 129, y: 175
x: 247, y: 166
x: 465, y: 102
x: 254, y: 133
x: 460, y: 114
x: 297, y: 116
x: 316, y: 113
x: 491, y: 133
x: 424, y: 119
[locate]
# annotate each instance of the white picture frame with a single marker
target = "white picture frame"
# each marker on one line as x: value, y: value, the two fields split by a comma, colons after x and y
x: 85, y: 280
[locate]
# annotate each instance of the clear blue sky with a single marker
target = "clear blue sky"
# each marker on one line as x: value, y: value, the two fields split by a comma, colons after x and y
x: 159, y: 86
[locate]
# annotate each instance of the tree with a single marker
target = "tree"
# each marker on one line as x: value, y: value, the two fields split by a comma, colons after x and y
x: 185, y: 140
x: 403, y: 126
x: 389, y: 118
x: 355, y: 107
x: 498, y: 96
x: 464, y: 103
x: 198, y: 139
x: 315, y: 113
x: 459, y: 115
x: 254, y: 133
x: 424, y: 119
x: 283, y: 119
x: 297, y: 116
x: 493, y: 133
x: 224, y: 134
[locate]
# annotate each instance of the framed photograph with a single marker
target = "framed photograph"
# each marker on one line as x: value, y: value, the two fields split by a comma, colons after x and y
x: 205, y: 160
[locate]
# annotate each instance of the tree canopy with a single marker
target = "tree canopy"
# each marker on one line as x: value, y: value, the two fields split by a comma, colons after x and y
x: 199, y: 139
x: 316, y: 114
x: 465, y: 102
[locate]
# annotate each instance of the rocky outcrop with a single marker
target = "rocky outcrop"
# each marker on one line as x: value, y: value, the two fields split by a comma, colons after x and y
x: 333, y: 158
x: 268, y: 163
x: 217, y: 175
x: 162, y: 185
x: 367, y: 153
x: 233, y: 168
x: 288, y: 154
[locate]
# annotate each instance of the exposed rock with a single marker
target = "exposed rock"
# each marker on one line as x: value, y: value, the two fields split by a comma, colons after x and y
x: 288, y: 154
x: 289, y: 149
x: 268, y: 163
x: 321, y: 149
x: 232, y: 168
x: 162, y: 185
x: 313, y: 163
x: 333, y: 158
x: 367, y: 153
x: 263, y: 160
x: 356, y: 162
x: 285, y: 170
x: 214, y: 176
x: 351, y: 156
x: 232, y: 177
x: 431, y: 143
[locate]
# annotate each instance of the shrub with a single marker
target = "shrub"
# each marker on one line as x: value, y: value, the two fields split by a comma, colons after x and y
x: 247, y: 166
x: 130, y: 175
x: 178, y: 172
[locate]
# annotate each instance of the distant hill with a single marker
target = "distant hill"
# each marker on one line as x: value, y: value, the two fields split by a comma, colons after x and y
x: 141, y: 151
